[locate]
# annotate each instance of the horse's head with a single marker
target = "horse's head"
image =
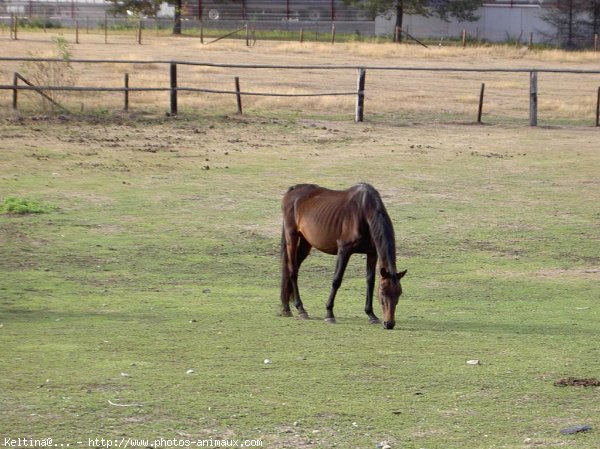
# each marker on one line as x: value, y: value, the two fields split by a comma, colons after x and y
x: 389, y: 292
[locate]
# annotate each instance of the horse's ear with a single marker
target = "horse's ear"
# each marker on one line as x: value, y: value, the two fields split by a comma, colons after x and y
x: 384, y: 273
x: 401, y: 274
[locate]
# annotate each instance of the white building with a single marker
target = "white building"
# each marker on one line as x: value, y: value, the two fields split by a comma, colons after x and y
x: 497, y: 23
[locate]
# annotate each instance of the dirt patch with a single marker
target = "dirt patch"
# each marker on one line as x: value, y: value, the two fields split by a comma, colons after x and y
x: 592, y: 273
x: 577, y: 382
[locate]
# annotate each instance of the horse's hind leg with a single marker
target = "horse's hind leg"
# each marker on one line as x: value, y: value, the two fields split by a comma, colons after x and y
x: 286, y: 283
x: 286, y: 291
x: 302, y: 253
x: 296, y: 250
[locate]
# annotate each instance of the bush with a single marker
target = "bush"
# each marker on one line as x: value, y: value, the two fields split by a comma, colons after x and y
x: 52, y: 73
x: 21, y: 206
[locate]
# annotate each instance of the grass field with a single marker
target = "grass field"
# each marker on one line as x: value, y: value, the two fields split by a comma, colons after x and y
x: 144, y: 301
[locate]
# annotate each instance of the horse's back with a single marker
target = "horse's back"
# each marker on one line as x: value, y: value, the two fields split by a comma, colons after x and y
x: 324, y: 216
x: 301, y: 190
x: 329, y: 197
x: 313, y: 196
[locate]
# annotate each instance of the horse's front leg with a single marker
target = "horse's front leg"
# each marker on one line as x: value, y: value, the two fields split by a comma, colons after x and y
x: 371, y: 265
x: 340, y: 267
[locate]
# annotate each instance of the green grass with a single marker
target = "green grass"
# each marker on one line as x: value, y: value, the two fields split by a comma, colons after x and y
x: 12, y: 205
x: 311, y: 33
x: 153, y: 266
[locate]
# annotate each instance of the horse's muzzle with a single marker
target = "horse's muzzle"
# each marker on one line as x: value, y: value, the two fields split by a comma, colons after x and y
x: 389, y: 324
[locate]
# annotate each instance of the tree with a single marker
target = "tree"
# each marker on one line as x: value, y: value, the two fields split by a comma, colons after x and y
x: 594, y: 16
x: 575, y: 21
x: 178, y: 4
x: 147, y: 8
x: 136, y: 8
x: 463, y: 10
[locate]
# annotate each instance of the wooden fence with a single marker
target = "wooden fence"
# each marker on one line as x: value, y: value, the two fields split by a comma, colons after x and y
x: 359, y: 93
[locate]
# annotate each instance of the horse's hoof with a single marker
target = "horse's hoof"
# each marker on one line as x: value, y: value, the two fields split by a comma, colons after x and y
x: 303, y: 316
x: 286, y: 313
x: 330, y: 320
x: 375, y: 321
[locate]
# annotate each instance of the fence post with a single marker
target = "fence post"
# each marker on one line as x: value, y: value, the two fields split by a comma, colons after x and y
x: 139, y: 32
x: 15, y: 26
x: 533, y: 98
x: 464, y: 38
x: 480, y: 110
x: 598, y: 108
x: 247, y: 36
x: 333, y: 33
x: 301, y: 34
x: 77, y: 31
x: 201, y: 32
x: 530, y: 43
x: 126, y: 92
x: 106, y: 28
x: 173, y: 76
x: 15, y: 90
x: 596, y: 42
x: 238, y: 95
x: 360, y: 96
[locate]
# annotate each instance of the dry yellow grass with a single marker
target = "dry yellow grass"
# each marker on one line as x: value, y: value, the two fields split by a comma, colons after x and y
x: 416, y: 94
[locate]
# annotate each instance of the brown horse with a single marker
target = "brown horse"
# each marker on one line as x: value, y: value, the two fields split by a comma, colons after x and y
x: 339, y: 223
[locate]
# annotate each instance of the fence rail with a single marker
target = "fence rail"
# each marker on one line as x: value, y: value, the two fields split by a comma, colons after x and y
x: 359, y: 93
x: 304, y: 66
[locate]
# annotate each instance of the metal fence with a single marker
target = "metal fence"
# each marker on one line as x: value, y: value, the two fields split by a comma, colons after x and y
x: 214, y: 11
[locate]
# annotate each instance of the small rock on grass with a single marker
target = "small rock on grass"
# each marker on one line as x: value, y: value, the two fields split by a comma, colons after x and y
x: 575, y: 429
x: 383, y: 445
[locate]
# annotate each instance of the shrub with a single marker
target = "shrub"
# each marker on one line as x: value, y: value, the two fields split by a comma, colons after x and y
x: 21, y: 206
x: 52, y: 73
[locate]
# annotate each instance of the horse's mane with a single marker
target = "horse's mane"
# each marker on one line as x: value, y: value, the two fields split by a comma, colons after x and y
x: 380, y: 224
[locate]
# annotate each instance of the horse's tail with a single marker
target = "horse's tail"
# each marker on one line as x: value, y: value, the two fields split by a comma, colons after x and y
x: 286, y: 285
